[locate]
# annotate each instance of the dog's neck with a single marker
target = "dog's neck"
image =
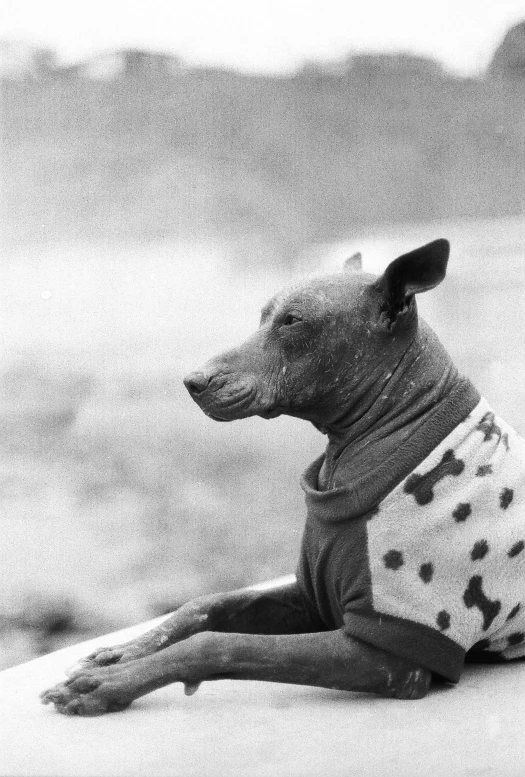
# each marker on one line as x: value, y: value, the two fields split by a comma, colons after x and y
x: 391, y: 408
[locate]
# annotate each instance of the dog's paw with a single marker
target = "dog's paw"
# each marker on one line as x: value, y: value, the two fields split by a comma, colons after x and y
x: 108, y: 656
x: 103, y: 656
x: 88, y: 693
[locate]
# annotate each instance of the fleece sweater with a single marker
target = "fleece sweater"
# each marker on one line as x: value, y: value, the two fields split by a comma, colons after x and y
x: 436, y: 568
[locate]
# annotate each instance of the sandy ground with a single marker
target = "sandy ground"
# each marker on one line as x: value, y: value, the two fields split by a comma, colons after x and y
x: 250, y: 728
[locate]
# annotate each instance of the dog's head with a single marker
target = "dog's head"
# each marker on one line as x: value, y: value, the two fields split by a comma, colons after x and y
x: 321, y: 343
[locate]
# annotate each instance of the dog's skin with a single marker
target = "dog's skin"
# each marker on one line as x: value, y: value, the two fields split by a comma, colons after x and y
x: 347, y: 353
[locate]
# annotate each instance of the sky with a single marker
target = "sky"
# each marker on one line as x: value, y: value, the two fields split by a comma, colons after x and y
x: 267, y: 35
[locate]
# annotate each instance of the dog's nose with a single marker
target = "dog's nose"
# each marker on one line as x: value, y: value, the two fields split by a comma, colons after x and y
x: 196, y: 382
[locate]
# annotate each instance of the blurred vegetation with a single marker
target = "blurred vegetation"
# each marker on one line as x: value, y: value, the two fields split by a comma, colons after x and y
x: 289, y: 160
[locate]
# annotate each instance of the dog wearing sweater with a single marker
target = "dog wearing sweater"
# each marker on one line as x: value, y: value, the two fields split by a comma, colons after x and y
x: 413, y: 553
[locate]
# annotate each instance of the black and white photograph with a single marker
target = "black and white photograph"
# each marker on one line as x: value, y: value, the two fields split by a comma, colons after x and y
x: 262, y: 388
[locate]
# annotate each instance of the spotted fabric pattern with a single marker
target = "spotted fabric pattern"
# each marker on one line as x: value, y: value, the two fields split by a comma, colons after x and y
x: 446, y: 549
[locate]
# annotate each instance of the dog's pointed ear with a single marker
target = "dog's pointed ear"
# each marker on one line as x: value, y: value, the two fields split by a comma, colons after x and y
x: 354, y: 263
x: 413, y: 273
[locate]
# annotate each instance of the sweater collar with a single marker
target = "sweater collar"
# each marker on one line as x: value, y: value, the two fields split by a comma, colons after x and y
x: 358, y: 498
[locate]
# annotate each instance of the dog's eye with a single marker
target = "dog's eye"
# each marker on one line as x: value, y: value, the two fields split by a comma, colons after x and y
x: 291, y: 318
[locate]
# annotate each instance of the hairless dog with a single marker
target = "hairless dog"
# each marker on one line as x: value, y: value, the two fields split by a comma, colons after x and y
x: 374, y: 606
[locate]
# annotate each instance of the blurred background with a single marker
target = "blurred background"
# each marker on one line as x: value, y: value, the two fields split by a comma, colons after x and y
x: 164, y: 170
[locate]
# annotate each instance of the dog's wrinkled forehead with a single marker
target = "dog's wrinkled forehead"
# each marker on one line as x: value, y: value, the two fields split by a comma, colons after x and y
x: 327, y: 294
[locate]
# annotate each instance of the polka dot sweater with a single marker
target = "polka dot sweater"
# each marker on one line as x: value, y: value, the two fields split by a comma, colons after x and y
x: 437, y: 568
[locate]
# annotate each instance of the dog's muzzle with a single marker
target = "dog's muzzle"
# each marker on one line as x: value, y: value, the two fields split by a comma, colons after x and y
x: 223, y: 398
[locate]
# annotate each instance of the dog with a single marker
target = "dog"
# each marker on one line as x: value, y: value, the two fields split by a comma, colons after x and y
x: 412, y: 557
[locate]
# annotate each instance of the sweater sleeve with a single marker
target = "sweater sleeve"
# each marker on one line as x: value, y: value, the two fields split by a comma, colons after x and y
x: 415, y: 642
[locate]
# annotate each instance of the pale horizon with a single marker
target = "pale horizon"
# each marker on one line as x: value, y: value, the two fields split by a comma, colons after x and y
x: 276, y: 37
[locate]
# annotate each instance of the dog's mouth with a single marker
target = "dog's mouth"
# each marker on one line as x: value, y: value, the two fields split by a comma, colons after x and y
x: 272, y: 412
x: 226, y: 397
x: 229, y: 407
x: 267, y: 414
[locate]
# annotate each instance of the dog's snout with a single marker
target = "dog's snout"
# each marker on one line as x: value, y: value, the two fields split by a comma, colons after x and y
x: 196, y: 382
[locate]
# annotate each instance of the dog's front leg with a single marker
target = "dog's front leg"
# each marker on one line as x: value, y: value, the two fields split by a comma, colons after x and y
x: 275, y: 610
x: 326, y: 659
